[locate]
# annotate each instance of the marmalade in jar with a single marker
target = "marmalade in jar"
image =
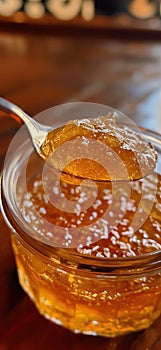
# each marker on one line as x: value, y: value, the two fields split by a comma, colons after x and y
x: 92, y: 266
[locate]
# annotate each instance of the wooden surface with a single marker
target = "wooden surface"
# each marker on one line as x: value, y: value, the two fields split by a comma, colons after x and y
x: 122, y: 25
x: 37, y: 72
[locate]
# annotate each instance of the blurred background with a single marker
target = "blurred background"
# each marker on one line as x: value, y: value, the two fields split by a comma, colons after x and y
x: 54, y: 51
x: 37, y: 8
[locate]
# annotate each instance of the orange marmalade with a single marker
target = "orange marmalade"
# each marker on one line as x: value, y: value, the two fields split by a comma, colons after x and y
x: 93, y: 267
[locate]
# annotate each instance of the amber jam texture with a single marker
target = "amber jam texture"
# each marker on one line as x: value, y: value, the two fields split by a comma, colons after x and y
x: 104, y: 280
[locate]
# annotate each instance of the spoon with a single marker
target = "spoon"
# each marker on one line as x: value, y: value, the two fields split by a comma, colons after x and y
x: 120, y: 153
x: 37, y: 131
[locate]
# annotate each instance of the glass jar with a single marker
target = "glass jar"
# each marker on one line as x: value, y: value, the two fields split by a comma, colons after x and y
x: 90, y: 295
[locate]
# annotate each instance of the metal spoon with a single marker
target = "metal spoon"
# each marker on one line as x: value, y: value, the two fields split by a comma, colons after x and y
x: 37, y: 131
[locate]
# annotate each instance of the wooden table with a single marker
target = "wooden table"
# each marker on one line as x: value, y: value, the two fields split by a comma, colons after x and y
x: 38, y: 71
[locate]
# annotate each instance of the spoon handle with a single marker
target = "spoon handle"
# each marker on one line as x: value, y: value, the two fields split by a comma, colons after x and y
x: 14, y: 110
x: 37, y: 131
